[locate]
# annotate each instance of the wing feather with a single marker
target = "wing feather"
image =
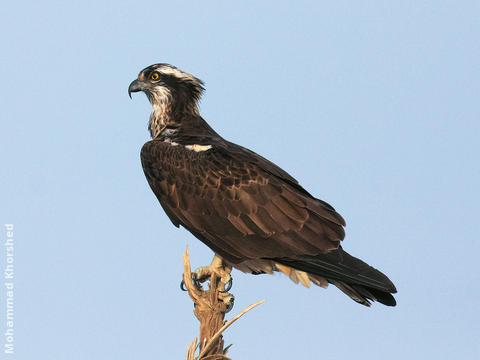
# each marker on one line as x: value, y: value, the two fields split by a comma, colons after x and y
x: 238, y: 203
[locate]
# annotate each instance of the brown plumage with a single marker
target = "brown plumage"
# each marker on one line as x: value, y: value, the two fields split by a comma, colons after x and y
x: 245, y: 208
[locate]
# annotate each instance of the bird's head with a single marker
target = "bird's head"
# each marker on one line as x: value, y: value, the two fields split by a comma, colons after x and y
x: 164, y: 83
x: 171, y: 91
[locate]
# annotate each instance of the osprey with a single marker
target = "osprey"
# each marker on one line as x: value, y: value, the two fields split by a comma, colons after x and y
x: 251, y: 213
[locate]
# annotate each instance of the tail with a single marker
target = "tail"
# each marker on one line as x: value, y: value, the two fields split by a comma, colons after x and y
x: 357, y: 279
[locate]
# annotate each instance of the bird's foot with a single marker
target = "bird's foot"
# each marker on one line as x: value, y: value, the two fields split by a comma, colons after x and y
x: 218, y: 273
x: 219, y: 270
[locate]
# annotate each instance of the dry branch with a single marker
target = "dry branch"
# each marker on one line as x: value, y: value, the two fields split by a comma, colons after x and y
x: 210, y: 311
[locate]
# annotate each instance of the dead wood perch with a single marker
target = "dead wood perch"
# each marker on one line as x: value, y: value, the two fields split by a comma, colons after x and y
x: 210, y: 307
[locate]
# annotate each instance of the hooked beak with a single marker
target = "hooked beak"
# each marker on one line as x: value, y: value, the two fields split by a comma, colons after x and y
x: 136, y: 86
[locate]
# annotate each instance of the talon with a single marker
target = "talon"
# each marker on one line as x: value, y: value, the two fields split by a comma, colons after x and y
x: 230, y: 304
x: 228, y: 286
x: 182, y: 286
x: 195, y: 281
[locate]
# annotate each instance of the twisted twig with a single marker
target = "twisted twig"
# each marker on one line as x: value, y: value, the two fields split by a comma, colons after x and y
x: 210, y: 311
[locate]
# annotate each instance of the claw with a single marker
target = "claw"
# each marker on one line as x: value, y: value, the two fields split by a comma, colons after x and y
x: 230, y: 304
x: 228, y: 286
x: 195, y: 281
x: 182, y: 286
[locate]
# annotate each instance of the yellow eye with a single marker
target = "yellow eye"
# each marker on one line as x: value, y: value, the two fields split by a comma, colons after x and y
x: 155, y: 76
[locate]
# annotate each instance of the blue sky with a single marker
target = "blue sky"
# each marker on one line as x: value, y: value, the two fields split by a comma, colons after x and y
x: 372, y: 106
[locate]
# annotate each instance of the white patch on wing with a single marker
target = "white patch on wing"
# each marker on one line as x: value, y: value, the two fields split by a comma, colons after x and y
x: 198, y: 148
x: 173, y: 143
